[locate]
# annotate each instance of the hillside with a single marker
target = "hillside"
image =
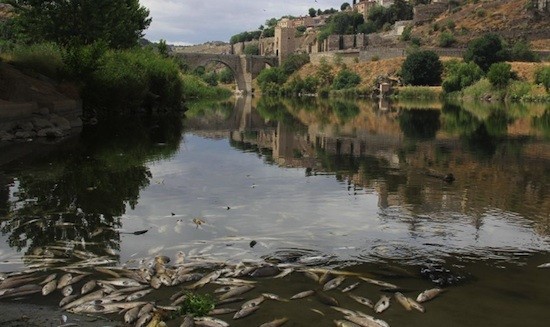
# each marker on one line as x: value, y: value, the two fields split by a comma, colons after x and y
x: 511, y: 19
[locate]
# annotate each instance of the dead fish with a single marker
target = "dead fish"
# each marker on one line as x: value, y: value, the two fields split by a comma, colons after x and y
x: 224, y: 289
x: 188, y: 321
x: 121, y: 282
x: 333, y: 283
x: 212, y: 321
x: 179, y: 300
x: 350, y: 287
x: 382, y: 304
x: 284, y: 273
x: 245, y: 312
x: 86, y: 298
x: 49, y: 279
x: 137, y: 295
x: 275, y: 323
x: 326, y: 299
x: 237, y: 291
x: 143, y: 320
x: 325, y: 277
x: 67, y: 299
x: 317, y: 311
x: 67, y: 290
x: 88, y: 287
x: 544, y: 265
x: 205, y: 280
x: 344, y: 311
x: 233, y: 281
x: 378, y: 282
x: 275, y: 297
x: 302, y: 295
x: 403, y: 301
x: 155, y: 282
x: 311, y: 275
x: 49, y: 287
x: 362, y: 300
x: 64, y: 280
x: 146, y: 309
x: 345, y: 323
x: 131, y: 315
x: 415, y: 305
x: 254, y: 302
x: 221, y: 311
x: 366, y: 321
x: 164, y: 279
x: 428, y: 294
x: 21, y: 291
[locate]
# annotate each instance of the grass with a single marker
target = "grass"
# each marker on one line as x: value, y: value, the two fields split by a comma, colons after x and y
x: 418, y: 92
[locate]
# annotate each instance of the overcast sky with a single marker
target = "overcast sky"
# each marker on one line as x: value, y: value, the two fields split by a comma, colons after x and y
x: 199, y: 21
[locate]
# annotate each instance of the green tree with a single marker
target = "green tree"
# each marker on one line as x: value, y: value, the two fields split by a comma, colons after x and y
x: 446, y: 39
x: 485, y: 51
x: 324, y: 73
x: 271, y: 78
x: 312, y: 12
x: 252, y: 49
x: 345, y: 79
x: 422, y: 68
x: 226, y: 76
x: 163, y: 48
x: 460, y: 75
x: 499, y: 74
x: 345, y: 6
x: 119, y: 23
x: 521, y: 51
x: 294, y: 62
x: 542, y: 76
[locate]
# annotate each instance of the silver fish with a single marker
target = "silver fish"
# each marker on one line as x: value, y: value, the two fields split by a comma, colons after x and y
x: 366, y: 321
x: 302, y: 295
x: 350, y: 287
x: 131, y: 315
x: 86, y: 298
x: 205, y: 280
x: 428, y: 294
x: 146, y: 309
x: 275, y: 297
x: 382, y: 304
x: 221, y: 311
x: 254, y: 302
x: 245, y: 312
x: 237, y: 291
x: 67, y: 290
x: 137, y: 295
x: 275, y: 323
x: 64, y: 280
x: 284, y: 273
x: 67, y: 299
x: 49, y: 287
x: 88, y: 287
x: 49, y: 279
x: 143, y: 320
x: 403, y: 301
x: 378, y: 282
x: 121, y: 282
x: 333, y: 283
x: 415, y: 305
x: 311, y: 275
x: 544, y: 265
x: 188, y: 321
x: 362, y: 300
x: 344, y: 311
x: 213, y: 321
x: 345, y: 323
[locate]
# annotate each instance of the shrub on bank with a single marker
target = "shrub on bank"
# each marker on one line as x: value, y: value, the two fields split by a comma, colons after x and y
x: 44, y: 58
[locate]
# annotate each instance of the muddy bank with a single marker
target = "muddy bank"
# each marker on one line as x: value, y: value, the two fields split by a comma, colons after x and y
x: 30, y: 315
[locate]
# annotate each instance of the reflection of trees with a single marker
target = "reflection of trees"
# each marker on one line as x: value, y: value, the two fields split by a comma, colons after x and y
x: 274, y: 109
x: 419, y: 124
x: 542, y: 123
x: 344, y: 110
x: 76, y: 196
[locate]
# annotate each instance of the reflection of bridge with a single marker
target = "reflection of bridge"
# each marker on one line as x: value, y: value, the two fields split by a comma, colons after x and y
x: 244, y: 68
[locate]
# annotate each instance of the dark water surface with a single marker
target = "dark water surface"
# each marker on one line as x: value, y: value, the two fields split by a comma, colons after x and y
x: 336, y: 184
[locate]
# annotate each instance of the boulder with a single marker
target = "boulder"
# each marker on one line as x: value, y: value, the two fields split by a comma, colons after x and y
x: 61, y: 123
x: 41, y: 123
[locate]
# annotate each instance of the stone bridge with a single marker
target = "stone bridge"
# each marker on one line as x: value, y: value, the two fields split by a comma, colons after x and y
x: 245, y: 68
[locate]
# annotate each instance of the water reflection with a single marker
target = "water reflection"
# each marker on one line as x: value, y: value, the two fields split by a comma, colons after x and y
x: 71, y: 200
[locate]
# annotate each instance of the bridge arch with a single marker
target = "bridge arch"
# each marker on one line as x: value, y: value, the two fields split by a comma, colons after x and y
x: 244, y: 67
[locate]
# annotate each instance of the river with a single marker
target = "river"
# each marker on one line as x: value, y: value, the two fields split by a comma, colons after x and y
x: 348, y: 185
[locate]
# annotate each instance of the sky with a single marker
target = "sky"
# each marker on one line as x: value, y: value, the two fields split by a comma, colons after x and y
x: 184, y: 22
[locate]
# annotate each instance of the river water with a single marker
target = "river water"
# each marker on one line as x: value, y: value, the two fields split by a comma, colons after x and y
x: 355, y: 186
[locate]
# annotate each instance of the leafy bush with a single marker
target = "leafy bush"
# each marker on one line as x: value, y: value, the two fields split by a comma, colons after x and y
x: 422, y: 68
x: 521, y: 51
x: 270, y: 79
x: 345, y: 79
x: 42, y: 58
x: 226, y: 76
x: 542, y: 76
x: 197, y: 305
x: 499, y: 74
x: 446, y: 39
x: 460, y: 75
x: 294, y: 62
x: 211, y: 78
x: 485, y: 51
x: 252, y: 49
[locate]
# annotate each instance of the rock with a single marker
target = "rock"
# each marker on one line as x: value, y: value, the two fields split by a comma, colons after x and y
x: 26, y: 126
x: 6, y: 137
x: 41, y: 123
x: 23, y: 135
x: 76, y: 122
x: 50, y: 132
x: 44, y: 111
x: 61, y: 123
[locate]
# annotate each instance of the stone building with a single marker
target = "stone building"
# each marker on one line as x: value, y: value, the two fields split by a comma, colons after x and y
x: 364, y: 6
